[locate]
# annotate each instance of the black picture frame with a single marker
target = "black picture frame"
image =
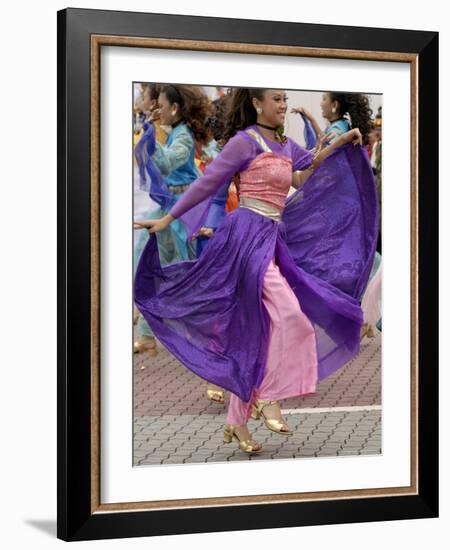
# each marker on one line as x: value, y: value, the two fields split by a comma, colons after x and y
x: 79, y: 517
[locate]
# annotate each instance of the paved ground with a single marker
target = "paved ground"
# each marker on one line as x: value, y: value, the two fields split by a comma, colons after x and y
x: 175, y: 422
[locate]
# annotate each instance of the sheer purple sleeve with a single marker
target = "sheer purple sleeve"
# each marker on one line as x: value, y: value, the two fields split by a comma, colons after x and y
x: 301, y: 157
x: 193, y: 206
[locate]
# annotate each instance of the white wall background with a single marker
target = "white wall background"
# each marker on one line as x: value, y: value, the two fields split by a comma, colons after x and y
x: 28, y: 276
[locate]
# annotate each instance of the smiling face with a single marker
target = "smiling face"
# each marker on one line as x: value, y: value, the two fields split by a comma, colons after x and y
x: 274, y: 107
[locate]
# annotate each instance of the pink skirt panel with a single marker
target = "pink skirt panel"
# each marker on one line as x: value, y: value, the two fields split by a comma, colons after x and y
x: 291, y: 368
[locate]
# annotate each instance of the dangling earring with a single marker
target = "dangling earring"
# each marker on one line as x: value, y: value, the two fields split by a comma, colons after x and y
x: 259, y: 110
x: 333, y: 110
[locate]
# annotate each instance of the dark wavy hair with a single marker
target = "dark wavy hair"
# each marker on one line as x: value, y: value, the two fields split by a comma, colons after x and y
x: 194, y: 105
x: 153, y: 90
x: 357, y: 106
x: 241, y: 112
x: 215, y: 123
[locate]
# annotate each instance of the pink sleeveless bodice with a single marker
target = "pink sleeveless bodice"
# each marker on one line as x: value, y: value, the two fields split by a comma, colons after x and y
x: 266, y: 181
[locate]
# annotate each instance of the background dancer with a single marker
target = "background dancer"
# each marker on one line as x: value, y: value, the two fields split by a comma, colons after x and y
x: 182, y: 111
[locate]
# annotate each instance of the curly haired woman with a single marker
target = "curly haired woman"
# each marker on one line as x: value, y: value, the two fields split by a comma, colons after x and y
x: 335, y: 108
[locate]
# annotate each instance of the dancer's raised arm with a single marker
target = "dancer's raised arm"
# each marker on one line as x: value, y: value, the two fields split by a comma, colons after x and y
x: 315, y: 125
x: 234, y: 157
x: 352, y: 136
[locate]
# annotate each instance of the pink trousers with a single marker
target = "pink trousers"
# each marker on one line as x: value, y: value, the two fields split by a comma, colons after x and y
x: 371, y: 301
x: 291, y: 367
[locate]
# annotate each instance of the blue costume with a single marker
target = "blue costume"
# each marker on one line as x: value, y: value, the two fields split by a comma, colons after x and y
x: 165, y: 172
x: 175, y: 161
x: 338, y: 127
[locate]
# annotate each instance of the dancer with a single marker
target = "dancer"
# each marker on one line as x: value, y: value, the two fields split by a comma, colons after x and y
x: 147, y: 106
x: 272, y: 305
x: 225, y: 200
x: 179, y: 147
x: 342, y: 111
x: 215, y: 126
x: 182, y: 110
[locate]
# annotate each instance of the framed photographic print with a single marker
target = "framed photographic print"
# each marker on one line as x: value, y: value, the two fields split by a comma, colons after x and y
x: 247, y: 274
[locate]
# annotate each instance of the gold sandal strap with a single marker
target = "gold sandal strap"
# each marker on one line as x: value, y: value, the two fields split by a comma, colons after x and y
x: 215, y: 392
x: 230, y: 428
x: 261, y: 403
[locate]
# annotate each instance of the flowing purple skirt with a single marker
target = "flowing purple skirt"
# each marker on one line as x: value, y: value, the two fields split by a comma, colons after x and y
x: 209, y: 312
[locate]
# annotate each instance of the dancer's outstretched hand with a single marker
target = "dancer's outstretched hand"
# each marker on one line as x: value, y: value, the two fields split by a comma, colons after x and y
x: 206, y: 231
x: 154, y: 115
x: 153, y: 226
x: 325, y: 140
x: 353, y: 136
x: 300, y: 110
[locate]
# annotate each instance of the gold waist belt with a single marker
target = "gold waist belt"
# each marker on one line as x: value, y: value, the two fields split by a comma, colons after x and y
x: 179, y: 188
x: 260, y: 207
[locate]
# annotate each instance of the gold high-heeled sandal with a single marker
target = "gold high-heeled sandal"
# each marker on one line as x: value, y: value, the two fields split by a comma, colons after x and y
x: 145, y: 344
x: 245, y: 445
x: 271, y: 423
x: 366, y: 330
x: 215, y: 395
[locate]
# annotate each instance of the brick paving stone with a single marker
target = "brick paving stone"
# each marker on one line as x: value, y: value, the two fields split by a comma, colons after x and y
x: 372, y: 448
x: 303, y: 434
x: 306, y: 452
x: 187, y: 449
x: 140, y: 454
x: 139, y: 438
x: 169, y: 447
x: 160, y: 438
x: 360, y: 434
x: 373, y: 442
x: 171, y: 460
x: 327, y: 424
x: 352, y: 444
x: 321, y: 429
x: 338, y: 436
x: 315, y: 441
x: 158, y: 455
x: 330, y: 447
x: 290, y: 446
x: 212, y: 443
